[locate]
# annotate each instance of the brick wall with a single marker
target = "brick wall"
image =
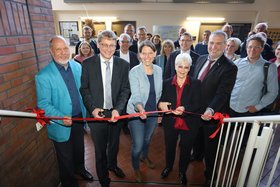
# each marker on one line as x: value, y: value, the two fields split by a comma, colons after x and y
x: 26, y: 156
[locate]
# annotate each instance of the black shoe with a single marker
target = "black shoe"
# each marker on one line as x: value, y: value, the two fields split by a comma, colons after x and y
x: 86, y: 175
x: 165, y: 172
x: 118, y: 172
x: 183, y: 179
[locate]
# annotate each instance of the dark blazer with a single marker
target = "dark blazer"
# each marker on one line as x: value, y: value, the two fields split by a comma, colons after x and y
x: 190, y: 99
x: 92, y: 85
x: 132, y: 58
x: 217, y: 84
x: 133, y: 47
x: 170, y: 65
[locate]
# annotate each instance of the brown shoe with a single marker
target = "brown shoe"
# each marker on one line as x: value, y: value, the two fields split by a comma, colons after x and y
x: 148, y: 163
x: 138, y: 176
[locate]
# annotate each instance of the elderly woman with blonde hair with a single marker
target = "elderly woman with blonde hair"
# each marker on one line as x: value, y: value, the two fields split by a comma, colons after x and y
x: 167, y: 47
x: 180, y: 93
x: 232, y: 46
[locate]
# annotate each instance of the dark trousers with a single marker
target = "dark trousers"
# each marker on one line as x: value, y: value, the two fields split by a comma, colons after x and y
x: 248, y: 126
x: 198, y: 146
x: 70, y: 155
x: 105, y: 137
x: 210, y: 147
x: 187, y: 138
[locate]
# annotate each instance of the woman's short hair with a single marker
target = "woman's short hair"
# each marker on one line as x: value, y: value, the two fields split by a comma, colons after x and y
x: 236, y: 41
x: 147, y: 43
x: 183, y: 57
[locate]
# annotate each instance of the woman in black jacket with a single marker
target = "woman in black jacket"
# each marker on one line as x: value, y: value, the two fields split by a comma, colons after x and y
x: 180, y: 93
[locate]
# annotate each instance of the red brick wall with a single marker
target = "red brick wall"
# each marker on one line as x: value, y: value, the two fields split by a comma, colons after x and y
x: 26, y: 156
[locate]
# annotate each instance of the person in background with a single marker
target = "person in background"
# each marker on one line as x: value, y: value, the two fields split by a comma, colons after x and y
x: 85, y: 51
x: 149, y: 36
x: 262, y: 27
x: 217, y: 74
x: 87, y: 34
x: 243, y: 48
x: 135, y: 38
x: 176, y: 42
x: 141, y: 35
x: 124, y: 52
x: 228, y: 30
x: 166, y: 49
x: 57, y: 94
x: 180, y: 93
x: 201, y: 47
x: 157, y: 41
x: 129, y: 56
x: 186, y: 41
x: 146, y: 85
x: 105, y: 91
x: 130, y: 30
x: 233, y: 44
x: 276, y: 60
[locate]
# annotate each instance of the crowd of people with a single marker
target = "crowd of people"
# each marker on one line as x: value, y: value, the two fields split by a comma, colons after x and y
x: 110, y: 76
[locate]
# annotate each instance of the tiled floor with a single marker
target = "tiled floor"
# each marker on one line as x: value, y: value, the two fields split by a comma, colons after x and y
x: 152, y: 177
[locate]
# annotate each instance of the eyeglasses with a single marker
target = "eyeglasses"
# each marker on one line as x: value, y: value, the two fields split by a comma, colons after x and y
x: 125, y: 42
x: 107, y: 46
x: 254, y: 47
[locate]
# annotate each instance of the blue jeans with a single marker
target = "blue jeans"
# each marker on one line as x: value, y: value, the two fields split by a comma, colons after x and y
x: 141, y: 132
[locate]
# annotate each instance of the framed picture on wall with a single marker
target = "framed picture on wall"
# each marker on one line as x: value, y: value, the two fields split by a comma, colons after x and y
x: 69, y: 30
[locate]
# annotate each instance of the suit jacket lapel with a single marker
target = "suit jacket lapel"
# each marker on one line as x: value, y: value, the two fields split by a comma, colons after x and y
x: 199, y: 66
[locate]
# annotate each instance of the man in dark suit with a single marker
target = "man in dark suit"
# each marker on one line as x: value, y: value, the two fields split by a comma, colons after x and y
x: 185, y: 42
x: 130, y: 30
x: 105, y: 91
x: 217, y: 84
x: 124, y: 52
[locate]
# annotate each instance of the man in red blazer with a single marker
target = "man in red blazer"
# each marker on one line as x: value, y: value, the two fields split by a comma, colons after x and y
x: 217, y: 85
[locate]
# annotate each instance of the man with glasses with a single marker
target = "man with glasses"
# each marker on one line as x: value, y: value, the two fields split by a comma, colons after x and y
x: 185, y: 42
x: 105, y: 91
x: 247, y: 97
x: 130, y: 30
x: 124, y: 52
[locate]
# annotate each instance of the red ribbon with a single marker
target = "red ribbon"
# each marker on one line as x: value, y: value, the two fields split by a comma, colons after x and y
x: 218, y: 116
x: 43, y: 120
x: 40, y: 116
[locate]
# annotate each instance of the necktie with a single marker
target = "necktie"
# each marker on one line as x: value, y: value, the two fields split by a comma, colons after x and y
x: 206, y: 70
x: 108, y: 93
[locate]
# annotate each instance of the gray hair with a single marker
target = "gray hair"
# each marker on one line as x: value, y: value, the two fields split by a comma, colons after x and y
x: 124, y: 35
x: 142, y: 28
x: 183, y: 57
x: 54, y: 38
x: 108, y: 34
x: 236, y: 41
x: 257, y: 37
x: 220, y: 33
